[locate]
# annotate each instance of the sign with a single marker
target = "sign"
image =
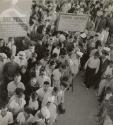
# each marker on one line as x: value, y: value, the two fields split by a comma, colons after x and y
x: 72, y: 22
x: 13, y: 27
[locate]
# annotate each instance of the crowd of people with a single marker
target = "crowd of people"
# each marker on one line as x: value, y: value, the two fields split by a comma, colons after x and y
x: 36, y: 71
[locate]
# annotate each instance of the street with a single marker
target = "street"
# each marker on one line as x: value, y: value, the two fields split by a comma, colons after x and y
x: 81, y: 106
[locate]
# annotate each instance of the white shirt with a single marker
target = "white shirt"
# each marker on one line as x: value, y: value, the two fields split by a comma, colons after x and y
x: 22, y: 62
x: 109, y: 71
x: 57, y: 51
x: 93, y: 63
x: 56, y: 75
x: 21, y: 118
x: 7, y: 119
x: 17, y: 106
x: 33, y: 104
x: 41, y: 93
x: 12, y: 87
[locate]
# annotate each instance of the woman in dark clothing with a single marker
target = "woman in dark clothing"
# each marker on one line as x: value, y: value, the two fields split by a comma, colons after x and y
x: 92, y: 68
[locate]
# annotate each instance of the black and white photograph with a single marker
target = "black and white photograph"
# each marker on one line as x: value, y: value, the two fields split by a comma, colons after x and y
x: 56, y: 62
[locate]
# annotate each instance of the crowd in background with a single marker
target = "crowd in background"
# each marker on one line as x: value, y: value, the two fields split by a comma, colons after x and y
x: 36, y: 71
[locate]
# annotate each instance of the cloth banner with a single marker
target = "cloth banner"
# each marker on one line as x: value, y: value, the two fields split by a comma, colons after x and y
x: 72, y: 22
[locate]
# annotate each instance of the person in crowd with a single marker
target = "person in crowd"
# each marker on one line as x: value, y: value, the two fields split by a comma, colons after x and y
x: 25, y: 117
x: 12, y: 86
x: 92, y: 68
x: 6, y: 117
x: 107, y: 76
x: 56, y: 75
x: 25, y: 76
x: 48, y: 61
x: 42, y: 116
x: 43, y: 91
x: 33, y: 103
x: 17, y: 102
x: 9, y: 70
x: 1, y: 68
x: 4, y: 48
x: 30, y: 51
x: 104, y: 61
x: 11, y: 46
x: 21, y: 59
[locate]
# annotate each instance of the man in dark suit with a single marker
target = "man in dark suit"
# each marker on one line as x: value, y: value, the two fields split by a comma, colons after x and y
x: 103, y: 66
x: 104, y: 61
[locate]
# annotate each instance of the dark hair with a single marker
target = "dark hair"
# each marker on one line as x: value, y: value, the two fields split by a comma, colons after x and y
x: 46, y: 83
x: 54, y: 55
x: 55, y: 89
x: 105, y: 53
x: 64, y: 84
x: 19, y: 91
x: 33, y: 95
x: 108, y: 89
x: 17, y: 74
x: 97, y: 54
x: 27, y: 109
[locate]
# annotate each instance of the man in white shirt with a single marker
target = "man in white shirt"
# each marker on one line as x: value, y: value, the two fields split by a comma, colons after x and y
x: 12, y: 86
x: 43, y: 91
x: 6, y: 117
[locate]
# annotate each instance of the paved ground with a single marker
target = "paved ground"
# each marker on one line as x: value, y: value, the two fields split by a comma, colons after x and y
x: 81, y: 106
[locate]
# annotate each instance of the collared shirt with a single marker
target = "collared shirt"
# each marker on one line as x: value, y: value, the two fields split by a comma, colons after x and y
x: 41, y: 93
x: 21, y: 118
x: 7, y: 119
x: 16, y: 104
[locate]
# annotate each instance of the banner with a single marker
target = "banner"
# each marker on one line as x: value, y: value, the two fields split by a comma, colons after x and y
x: 13, y: 27
x: 13, y: 24
x: 14, y: 16
x: 72, y: 22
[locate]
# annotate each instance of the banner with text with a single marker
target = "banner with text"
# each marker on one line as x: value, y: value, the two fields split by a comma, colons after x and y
x: 72, y: 22
x: 13, y: 27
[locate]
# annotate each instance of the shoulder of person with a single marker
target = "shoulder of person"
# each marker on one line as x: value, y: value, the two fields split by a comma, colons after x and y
x: 10, y: 83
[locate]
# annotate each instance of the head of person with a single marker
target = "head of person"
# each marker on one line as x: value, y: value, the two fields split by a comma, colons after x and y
x: 34, y: 96
x: 108, y: 90
x: 11, y: 40
x: 42, y: 71
x: 55, y: 91
x: 21, y: 55
x: 96, y: 55
x: 23, y: 69
x: 54, y: 56
x: 46, y: 86
x: 2, y: 42
x: 63, y: 85
x: 19, y: 92
x: 43, y: 62
x: 111, y: 101
x: 33, y: 81
x: 4, y: 110
x: 17, y: 78
x: 27, y: 111
x: 32, y: 48
x: 104, y: 54
x: 12, y: 59
x: 98, y: 44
